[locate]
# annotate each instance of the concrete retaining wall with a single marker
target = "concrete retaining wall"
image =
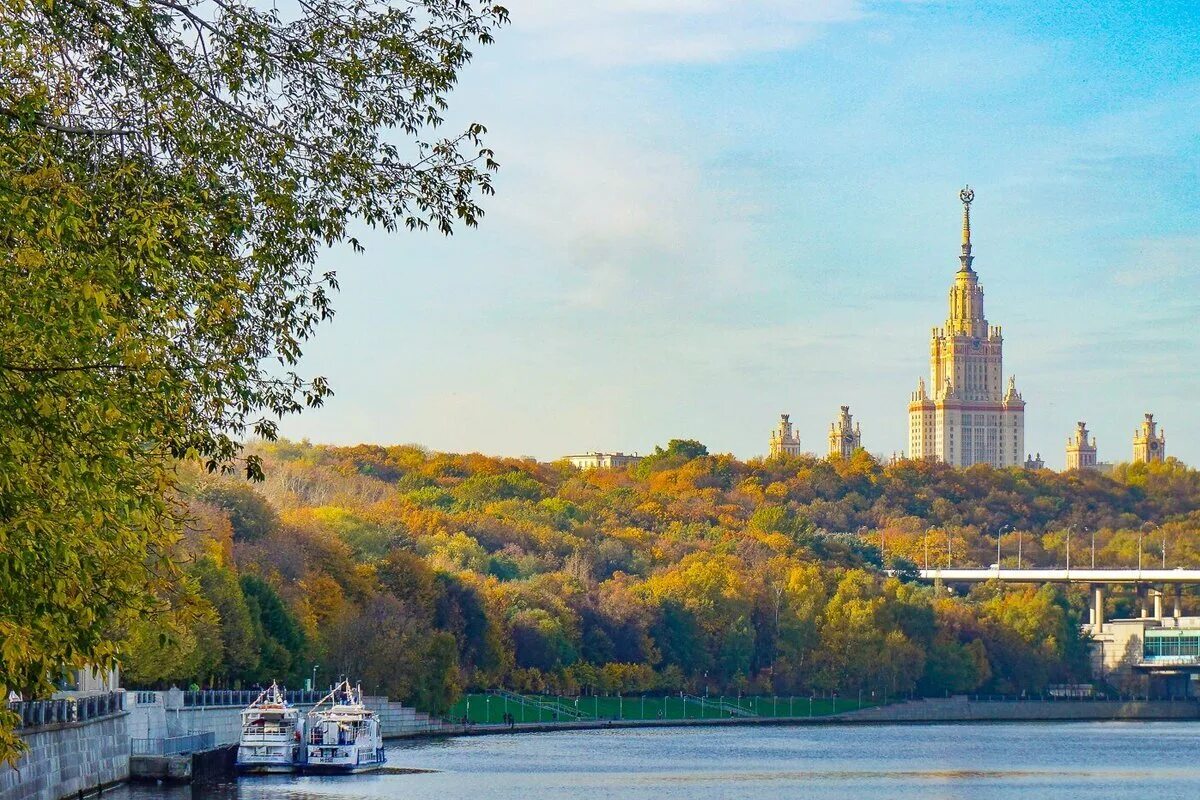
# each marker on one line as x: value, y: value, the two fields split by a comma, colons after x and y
x: 68, y: 758
x: 957, y: 709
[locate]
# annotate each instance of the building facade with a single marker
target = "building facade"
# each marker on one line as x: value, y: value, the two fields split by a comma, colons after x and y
x: 784, y: 440
x: 603, y: 460
x: 1149, y: 443
x: 1081, y: 452
x: 845, y: 436
x: 1034, y: 462
x: 968, y: 414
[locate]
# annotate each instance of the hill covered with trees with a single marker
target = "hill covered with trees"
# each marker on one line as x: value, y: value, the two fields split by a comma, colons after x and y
x: 425, y: 574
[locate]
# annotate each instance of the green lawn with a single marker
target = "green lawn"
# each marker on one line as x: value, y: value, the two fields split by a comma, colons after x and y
x: 491, y: 708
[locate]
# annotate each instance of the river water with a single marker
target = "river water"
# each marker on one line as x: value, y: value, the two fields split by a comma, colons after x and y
x: 977, y: 761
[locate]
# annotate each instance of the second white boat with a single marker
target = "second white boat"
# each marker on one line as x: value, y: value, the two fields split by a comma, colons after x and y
x: 343, y: 734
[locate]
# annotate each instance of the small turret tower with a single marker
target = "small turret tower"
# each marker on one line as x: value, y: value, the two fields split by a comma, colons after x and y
x: 784, y: 441
x: 1081, y: 453
x: 1149, y: 444
x: 845, y: 436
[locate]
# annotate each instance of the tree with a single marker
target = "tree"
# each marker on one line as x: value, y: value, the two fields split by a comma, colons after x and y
x: 249, y: 513
x: 169, y: 171
x: 677, y: 452
x: 281, y: 641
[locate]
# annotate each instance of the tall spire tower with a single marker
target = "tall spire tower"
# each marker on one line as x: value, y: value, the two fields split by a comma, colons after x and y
x: 967, y: 195
x: 968, y: 416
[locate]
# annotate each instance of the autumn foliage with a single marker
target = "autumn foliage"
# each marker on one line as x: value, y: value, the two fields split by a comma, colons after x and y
x: 425, y: 574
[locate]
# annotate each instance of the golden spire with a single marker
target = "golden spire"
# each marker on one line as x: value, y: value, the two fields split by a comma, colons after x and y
x: 966, y: 195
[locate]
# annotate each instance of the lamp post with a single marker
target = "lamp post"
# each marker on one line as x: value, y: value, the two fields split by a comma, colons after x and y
x: 1093, y: 533
x: 1020, y: 537
x: 314, y: 678
x: 949, y: 545
x: 925, y: 541
x: 999, y: 534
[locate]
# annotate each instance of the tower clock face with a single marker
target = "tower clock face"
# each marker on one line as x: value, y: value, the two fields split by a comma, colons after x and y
x: 1154, y: 445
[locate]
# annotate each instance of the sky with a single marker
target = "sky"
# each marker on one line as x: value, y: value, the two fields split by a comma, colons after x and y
x: 711, y: 213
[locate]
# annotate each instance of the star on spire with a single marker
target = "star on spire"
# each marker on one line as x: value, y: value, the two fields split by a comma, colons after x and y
x: 967, y: 195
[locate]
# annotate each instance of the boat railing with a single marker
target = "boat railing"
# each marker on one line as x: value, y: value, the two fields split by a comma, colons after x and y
x: 264, y: 733
x: 342, y: 694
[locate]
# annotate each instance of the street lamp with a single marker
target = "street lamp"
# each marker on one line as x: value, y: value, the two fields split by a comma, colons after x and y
x: 999, y: 534
x: 1069, y: 547
x: 314, y: 678
x: 925, y: 541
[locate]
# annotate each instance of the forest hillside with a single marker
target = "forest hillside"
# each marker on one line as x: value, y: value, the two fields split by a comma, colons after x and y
x: 426, y: 574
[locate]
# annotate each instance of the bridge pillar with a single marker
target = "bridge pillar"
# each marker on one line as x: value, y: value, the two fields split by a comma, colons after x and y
x: 1178, y: 600
x: 1098, y: 608
x: 1141, y: 601
x: 1157, y: 594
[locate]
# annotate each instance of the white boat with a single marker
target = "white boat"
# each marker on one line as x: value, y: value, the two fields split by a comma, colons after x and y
x: 272, y: 732
x: 343, y: 734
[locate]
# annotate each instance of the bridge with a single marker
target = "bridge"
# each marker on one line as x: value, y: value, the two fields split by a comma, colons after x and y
x: 1086, y: 575
x: 1148, y: 583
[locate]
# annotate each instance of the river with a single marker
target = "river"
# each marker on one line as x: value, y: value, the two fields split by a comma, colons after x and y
x: 977, y: 761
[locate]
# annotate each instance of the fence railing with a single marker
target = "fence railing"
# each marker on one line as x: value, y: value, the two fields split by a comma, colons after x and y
x: 36, y: 713
x: 241, y: 698
x: 174, y: 745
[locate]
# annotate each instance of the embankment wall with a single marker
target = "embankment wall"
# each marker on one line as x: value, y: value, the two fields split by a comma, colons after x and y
x: 67, y: 758
x: 963, y: 710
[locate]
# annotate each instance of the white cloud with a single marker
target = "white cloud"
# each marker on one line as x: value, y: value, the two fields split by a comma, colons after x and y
x: 674, y: 31
x: 627, y: 229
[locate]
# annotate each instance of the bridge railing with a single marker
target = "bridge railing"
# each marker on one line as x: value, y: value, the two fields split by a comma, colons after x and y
x: 37, y: 713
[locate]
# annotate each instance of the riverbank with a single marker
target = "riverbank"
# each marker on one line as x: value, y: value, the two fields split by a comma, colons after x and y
x: 925, y: 711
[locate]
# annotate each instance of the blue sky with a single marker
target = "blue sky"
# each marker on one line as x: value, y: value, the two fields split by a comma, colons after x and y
x: 710, y: 213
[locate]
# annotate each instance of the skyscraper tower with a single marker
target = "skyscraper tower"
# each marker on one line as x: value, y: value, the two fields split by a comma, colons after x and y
x: 784, y: 441
x: 1149, y: 444
x: 1081, y: 454
x: 844, y: 435
x: 967, y: 416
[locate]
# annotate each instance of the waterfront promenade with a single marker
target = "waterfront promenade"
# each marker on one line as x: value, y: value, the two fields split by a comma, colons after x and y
x: 921, y: 711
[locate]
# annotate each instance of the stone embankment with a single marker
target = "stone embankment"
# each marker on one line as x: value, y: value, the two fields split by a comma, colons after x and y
x: 74, y: 747
x: 962, y: 709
